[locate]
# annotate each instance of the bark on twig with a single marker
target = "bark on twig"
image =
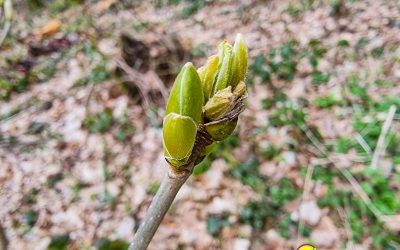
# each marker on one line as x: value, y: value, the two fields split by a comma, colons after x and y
x: 157, y: 210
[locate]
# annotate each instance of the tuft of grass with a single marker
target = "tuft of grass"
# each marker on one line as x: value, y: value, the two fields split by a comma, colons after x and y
x: 288, y: 228
x: 258, y: 212
x: 329, y: 101
x: 192, y: 8
x: 258, y: 68
x: 344, y: 144
x: 100, y: 122
x: 283, y: 61
x: 107, y: 244
x: 216, y: 222
x: 319, y: 77
x: 17, y: 84
x: 249, y: 174
x: 343, y: 43
x: 97, y: 75
x: 293, y: 10
x: 59, y: 242
x: 288, y: 114
x: 125, y: 129
x: 30, y: 217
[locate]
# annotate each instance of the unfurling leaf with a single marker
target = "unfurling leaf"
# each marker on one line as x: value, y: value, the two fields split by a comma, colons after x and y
x: 239, y: 61
x: 207, y: 75
x: 224, y: 67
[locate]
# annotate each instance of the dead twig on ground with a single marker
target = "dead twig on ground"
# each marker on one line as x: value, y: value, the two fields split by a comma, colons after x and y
x: 380, y: 146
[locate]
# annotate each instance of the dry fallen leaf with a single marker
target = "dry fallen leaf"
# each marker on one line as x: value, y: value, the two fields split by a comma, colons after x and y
x: 104, y: 5
x: 51, y: 28
x: 326, y: 234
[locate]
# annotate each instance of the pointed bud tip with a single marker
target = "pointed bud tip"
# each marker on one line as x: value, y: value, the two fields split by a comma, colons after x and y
x: 188, y: 65
x: 239, y: 36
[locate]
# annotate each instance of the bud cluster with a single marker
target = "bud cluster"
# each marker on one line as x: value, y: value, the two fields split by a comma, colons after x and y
x: 204, y: 97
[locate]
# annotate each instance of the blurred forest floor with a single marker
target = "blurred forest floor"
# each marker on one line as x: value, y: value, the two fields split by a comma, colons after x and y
x: 315, y: 158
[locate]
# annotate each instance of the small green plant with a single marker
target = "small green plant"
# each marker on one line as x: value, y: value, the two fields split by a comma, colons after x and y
x: 293, y: 10
x: 319, y: 77
x: 258, y: 212
x: 100, y: 122
x: 328, y: 101
x: 255, y: 213
x: 202, y: 111
x: 97, y: 75
x: 281, y: 62
x: 107, y: 244
x: 249, y: 174
x: 59, y: 242
x: 192, y: 8
x: 125, y: 130
x: 216, y: 222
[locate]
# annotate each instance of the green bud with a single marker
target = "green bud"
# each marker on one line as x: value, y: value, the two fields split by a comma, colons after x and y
x: 239, y: 61
x: 207, y: 75
x: 179, y: 134
x: 183, y: 115
x: 186, y: 96
x: 224, y: 67
x: 217, y: 106
x: 221, y: 130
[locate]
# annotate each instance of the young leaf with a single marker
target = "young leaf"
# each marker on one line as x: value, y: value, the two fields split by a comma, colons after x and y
x: 225, y: 67
x: 207, y: 75
x: 239, y: 61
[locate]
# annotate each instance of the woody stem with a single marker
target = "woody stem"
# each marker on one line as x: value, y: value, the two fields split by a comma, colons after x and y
x: 162, y: 201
